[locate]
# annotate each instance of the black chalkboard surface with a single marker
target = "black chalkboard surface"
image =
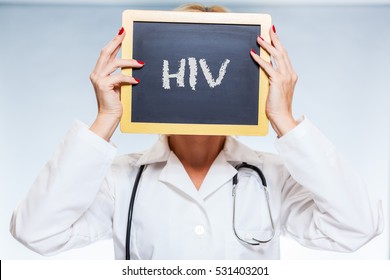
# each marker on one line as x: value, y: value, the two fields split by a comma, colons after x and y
x: 198, y: 77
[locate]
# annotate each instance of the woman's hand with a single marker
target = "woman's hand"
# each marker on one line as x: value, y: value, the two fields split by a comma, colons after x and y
x: 282, y: 79
x: 107, y: 86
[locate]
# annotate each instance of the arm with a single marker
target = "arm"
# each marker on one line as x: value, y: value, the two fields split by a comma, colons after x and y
x: 71, y: 203
x: 325, y: 204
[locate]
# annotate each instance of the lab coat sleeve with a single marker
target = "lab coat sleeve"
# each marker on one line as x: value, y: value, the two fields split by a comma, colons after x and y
x: 71, y: 203
x: 325, y: 203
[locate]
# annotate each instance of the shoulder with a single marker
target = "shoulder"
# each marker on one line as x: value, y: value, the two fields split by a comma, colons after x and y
x: 273, y: 165
x: 267, y: 158
x: 126, y: 161
x: 123, y: 170
x: 236, y: 151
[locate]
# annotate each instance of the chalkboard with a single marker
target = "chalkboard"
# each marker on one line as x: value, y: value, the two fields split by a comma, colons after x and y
x: 198, y: 77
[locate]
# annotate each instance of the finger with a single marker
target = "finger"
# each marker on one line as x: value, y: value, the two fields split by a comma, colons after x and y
x: 115, y: 52
x: 267, y: 67
x: 119, y: 79
x: 110, y: 82
x: 275, y: 53
x: 121, y: 63
x: 279, y: 46
x: 275, y: 38
x: 109, y: 49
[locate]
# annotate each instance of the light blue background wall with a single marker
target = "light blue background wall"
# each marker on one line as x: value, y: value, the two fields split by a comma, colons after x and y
x: 47, y: 52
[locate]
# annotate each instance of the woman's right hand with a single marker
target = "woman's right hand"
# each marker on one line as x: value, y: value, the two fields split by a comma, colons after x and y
x: 107, y: 86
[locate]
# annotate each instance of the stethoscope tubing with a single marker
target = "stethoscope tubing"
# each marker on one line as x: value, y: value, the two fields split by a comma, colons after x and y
x: 131, y: 207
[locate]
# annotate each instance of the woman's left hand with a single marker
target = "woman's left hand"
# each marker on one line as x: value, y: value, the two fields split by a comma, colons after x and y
x: 282, y: 80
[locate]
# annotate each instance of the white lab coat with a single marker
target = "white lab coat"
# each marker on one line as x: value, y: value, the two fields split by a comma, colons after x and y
x: 82, y: 195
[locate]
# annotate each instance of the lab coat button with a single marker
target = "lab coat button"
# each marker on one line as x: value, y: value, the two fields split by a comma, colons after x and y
x: 199, y: 230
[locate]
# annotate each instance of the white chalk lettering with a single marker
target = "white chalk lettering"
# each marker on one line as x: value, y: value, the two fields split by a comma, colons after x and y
x: 193, y: 72
x: 207, y: 73
x: 192, y: 63
x: 179, y: 75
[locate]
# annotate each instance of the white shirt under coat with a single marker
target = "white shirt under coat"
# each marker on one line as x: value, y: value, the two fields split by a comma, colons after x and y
x: 82, y: 195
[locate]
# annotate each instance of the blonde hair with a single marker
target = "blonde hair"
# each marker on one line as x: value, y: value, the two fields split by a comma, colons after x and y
x: 201, y: 8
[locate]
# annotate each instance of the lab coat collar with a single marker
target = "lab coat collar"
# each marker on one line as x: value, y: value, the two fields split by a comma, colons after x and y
x: 234, y: 152
x: 221, y: 171
x: 159, y: 152
x: 175, y: 176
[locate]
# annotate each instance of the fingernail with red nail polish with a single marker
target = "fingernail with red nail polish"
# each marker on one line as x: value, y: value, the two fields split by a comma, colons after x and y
x: 140, y: 62
x: 273, y: 28
x: 261, y: 38
x: 137, y: 80
x: 121, y: 31
x: 253, y: 51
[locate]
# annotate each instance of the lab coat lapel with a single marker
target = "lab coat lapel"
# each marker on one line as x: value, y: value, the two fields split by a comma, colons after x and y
x: 176, y: 177
x: 223, y: 169
x: 220, y: 172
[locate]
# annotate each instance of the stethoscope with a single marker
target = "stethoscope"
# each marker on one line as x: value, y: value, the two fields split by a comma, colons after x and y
x: 253, y: 242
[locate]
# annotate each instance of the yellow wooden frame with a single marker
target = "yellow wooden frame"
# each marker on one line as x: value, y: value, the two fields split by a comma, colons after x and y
x: 131, y: 16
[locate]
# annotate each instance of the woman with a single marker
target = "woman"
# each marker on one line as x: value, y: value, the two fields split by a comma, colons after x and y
x: 184, y: 205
